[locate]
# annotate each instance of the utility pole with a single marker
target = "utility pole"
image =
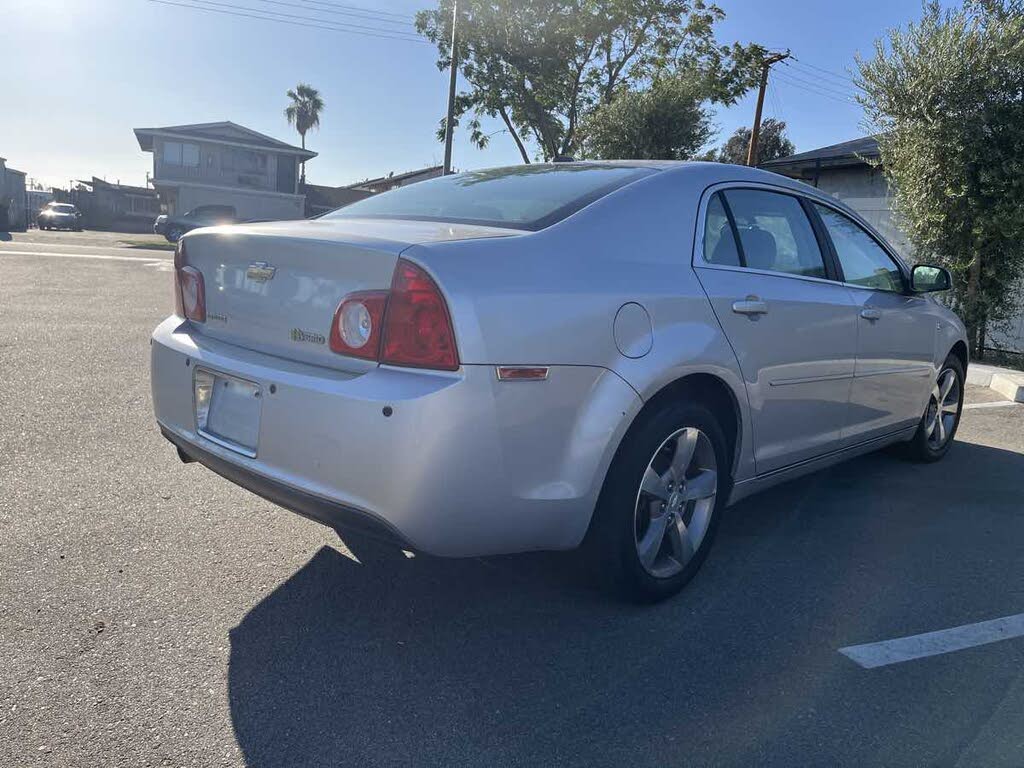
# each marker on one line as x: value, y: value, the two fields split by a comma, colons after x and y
x: 755, y: 131
x: 452, y: 72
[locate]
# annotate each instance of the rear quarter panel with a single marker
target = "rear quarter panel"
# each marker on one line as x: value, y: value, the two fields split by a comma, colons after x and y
x: 551, y: 297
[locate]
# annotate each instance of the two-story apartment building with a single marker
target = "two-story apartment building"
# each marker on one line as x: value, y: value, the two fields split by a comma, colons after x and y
x: 225, y: 164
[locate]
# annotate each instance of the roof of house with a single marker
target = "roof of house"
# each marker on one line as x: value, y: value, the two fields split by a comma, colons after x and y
x: 225, y: 132
x: 318, y: 196
x: 126, y: 188
x: 846, y: 153
x: 433, y: 170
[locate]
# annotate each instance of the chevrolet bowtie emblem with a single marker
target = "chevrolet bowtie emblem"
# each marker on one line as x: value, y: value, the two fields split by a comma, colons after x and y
x: 261, y: 271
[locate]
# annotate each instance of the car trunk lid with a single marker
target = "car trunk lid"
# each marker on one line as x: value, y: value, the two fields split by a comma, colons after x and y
x: 274, y: 288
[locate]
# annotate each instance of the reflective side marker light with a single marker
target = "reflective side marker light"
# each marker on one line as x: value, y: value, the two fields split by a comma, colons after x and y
x: 521, y: 373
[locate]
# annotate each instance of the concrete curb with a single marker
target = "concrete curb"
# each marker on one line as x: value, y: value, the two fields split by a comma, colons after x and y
x: 1007, y: 382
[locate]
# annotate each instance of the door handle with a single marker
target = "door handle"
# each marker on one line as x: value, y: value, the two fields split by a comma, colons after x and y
x: 871, y: 314
x: 750, y: 306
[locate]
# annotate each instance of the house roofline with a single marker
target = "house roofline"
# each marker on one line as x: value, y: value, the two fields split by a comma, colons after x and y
x: 174, y: 184
x: 182, y: 132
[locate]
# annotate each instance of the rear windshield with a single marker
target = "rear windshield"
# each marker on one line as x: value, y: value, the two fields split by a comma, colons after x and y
x: 522, y: 197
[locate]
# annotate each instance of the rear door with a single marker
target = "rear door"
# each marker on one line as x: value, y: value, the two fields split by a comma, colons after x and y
x: 792, y: 327
x: 896, y: 337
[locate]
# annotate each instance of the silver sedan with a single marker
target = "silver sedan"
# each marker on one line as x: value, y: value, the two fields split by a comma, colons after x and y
x: 549, y: 356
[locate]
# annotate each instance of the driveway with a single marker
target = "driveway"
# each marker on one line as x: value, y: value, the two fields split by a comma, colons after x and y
x: 153, y: 614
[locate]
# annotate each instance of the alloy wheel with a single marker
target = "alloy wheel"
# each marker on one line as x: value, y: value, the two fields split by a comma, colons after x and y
x: 675, y: 502
x: 943, y: 409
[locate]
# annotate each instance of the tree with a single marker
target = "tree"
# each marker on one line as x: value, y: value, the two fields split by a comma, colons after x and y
x: 664, y: 122
x: 944, y: 96
x: 542, y: 66
x: 772, y: 144
x: 304, y: 113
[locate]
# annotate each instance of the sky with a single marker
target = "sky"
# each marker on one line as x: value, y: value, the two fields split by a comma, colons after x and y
x: 76, y: 76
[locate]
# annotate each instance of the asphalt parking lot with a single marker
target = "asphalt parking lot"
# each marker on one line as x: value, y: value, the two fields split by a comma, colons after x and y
x: 153, y: 614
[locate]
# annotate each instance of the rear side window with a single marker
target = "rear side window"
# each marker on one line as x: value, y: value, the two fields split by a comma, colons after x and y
x: 522, y: 197
x: 775, y: 233
x: 719, y: 242
x: 864, y: 261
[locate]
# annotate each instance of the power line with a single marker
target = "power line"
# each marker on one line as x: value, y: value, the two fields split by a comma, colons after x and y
x: 834, y: 90
x: 353, y: 14
x: 810, y: 87
x: 823, y: 94
x: 347, y: 25
x: 822, y: 70
x: 310, y: 22
x: 773, y: 94
x: 359, y: 8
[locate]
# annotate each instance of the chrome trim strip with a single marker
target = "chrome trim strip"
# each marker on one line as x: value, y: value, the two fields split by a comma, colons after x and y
x: 918, y: 369
x: 810, y: 379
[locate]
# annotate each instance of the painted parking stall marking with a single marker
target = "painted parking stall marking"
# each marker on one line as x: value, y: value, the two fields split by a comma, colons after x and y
x: 886, y: 652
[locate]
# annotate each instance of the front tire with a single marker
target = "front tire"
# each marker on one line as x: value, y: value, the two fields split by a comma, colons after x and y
x: 941, y: 416
x: 660, y: 504
x: 174, y: 234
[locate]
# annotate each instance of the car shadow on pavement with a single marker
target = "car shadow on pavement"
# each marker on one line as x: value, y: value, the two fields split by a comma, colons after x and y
x: 517, y: 661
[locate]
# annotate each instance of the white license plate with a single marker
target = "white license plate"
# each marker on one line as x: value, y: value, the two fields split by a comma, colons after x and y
x: 228, y: 410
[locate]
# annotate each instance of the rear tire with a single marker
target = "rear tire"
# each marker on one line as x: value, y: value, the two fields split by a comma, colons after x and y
x: 941, y: 417
x: 661, y: 502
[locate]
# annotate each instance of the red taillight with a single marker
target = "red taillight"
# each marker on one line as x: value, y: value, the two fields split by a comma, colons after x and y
x: 417, y: 328
x: 358, y: 324
x: 407, y: 326
x: 189, y: 289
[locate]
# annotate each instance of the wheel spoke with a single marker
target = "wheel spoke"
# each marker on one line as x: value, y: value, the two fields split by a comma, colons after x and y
x: 940, y: 423
x: 947, y: 382
x: 686, y: 444
x: 654, y: 485
x: 702, y: 486
x: 951, y: 408
x: 649, y: 546
x: 679, y: 541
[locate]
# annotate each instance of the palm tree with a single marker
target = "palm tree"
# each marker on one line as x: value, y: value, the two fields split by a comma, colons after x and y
x: 304, y: 113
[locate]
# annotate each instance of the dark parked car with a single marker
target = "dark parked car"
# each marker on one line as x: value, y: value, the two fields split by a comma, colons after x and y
x: 60, y: 216
x: 173, y: 227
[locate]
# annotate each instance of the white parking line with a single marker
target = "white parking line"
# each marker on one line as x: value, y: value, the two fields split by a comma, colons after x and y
x: 999, y: 404
x: 871, y: 655
x: 102, y: 256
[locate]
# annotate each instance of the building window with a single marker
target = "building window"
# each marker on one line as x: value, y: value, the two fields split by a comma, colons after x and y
x: 180, y: 153
x: 244, y: 160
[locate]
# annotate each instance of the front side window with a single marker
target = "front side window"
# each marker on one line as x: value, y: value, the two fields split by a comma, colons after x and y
x: 864, y: 262
x: 719, y: 242
x: 775, y: 233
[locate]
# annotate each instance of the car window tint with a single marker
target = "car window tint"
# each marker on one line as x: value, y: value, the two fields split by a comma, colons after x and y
x: 719, y: 242
x: 522, y: 197
x: 775, y: 233
x: 863, y: 260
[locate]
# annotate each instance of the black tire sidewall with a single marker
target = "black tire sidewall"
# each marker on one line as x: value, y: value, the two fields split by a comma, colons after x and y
x: 611, y: 540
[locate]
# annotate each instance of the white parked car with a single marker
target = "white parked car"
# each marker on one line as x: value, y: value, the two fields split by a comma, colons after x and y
x: 545, y: 356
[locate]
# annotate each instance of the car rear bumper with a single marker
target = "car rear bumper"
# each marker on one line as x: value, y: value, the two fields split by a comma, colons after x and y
x: 464, y: 465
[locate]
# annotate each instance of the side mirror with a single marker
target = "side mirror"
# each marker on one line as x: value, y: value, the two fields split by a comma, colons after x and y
x: 925, y: 278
